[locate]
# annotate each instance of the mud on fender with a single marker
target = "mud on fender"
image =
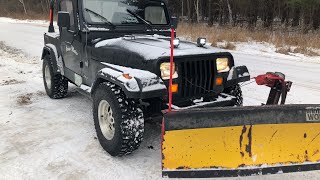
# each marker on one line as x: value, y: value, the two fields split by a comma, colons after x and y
x: 241, y: 141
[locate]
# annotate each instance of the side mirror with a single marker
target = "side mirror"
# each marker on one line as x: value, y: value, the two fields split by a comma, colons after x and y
x: 63, y: 19
x: 174, y: 22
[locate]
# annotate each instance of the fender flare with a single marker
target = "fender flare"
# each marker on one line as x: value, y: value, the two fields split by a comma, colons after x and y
x: 51, y: 50
x: 236, y: 75
x: 142, y: 85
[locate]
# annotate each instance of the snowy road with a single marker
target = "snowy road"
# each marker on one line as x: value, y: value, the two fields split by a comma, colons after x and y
x: 303, y: 72
x: 42, y: 138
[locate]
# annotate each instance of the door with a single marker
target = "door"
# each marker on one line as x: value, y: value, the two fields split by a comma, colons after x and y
x: 71, y: 47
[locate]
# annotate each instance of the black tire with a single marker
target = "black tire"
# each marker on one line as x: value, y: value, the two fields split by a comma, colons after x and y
x: 58, y: 88
x: 127, y: 117
x: 236, y: 92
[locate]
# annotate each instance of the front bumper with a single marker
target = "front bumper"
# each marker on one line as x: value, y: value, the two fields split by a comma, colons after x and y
x: 221, y: 101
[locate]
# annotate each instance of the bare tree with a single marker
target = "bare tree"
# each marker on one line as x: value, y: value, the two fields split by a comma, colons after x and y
x: 210, y: 13
x: 230, y: 13
x: 196, y: 5
x: 189, y: 9
x: 24, y: 7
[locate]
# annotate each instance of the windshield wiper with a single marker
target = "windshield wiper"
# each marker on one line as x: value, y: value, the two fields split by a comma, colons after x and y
x: 100, y: 16
x: 141, y: 19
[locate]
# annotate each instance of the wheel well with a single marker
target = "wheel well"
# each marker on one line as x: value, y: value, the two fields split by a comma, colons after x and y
x: 100, y: 80
x: 45, y: 52
x: 97, y: 83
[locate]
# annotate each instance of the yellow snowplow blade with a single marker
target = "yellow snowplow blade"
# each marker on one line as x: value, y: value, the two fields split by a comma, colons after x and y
x: 255, y: 140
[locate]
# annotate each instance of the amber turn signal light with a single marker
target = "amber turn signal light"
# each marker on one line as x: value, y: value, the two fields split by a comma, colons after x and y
x: 174, y: 88
x: 219, y: 81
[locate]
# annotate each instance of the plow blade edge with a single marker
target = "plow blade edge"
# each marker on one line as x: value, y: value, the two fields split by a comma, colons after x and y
x: 241, y: 141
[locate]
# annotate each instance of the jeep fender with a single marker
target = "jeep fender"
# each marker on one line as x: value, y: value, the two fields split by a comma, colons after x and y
x: 57, y: 62
x: 237, y: 75
x: 141, y: 84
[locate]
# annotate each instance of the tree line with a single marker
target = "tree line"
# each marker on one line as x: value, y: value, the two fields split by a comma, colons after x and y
x: 303, y: 14
x: 24, y: 7
x: 251, y: 13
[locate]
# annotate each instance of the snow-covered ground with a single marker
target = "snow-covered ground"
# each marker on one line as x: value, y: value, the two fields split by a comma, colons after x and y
x: 42, y: 138
x: 303, y: 71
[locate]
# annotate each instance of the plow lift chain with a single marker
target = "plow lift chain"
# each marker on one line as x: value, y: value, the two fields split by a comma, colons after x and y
x: 279, y: 86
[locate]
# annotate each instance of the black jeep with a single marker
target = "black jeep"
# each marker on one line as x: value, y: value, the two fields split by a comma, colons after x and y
x: 117, y: 52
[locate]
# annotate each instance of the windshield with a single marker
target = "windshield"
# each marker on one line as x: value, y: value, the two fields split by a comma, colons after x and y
x: 118, y: 12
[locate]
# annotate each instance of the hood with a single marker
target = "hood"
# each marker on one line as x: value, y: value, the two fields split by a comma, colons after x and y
x: 154, y: 47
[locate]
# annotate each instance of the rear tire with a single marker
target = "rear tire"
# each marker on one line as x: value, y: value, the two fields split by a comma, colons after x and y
x: 237, y: 93
x: 118, y: 120
x: 56, y: 85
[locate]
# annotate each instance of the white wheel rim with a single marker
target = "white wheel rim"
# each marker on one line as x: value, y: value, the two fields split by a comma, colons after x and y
x: 47, y: 76
x: 106, y: 120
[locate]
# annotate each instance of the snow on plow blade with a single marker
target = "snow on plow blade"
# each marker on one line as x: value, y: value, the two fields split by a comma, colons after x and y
x: 241, y: 141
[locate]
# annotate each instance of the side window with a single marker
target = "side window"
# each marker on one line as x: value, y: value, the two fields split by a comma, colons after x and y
x: 67, y: 6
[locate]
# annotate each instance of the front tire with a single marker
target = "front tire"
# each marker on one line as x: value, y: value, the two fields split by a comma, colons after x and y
x: 118, y: 120
x: 237, y: 93
x: 56, y: 85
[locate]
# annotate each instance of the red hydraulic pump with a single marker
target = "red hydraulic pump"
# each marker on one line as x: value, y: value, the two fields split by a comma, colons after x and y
x: 279, y: 86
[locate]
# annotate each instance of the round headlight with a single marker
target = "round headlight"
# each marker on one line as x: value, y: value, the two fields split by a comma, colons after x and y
x: 165, y: 71
x: 222, y: 64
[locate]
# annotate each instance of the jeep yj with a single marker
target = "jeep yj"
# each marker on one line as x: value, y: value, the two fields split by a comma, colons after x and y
x: 117, y: 52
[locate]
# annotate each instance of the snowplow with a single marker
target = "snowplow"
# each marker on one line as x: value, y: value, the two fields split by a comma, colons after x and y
x: 241, y: 141
x: 125, y: 56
